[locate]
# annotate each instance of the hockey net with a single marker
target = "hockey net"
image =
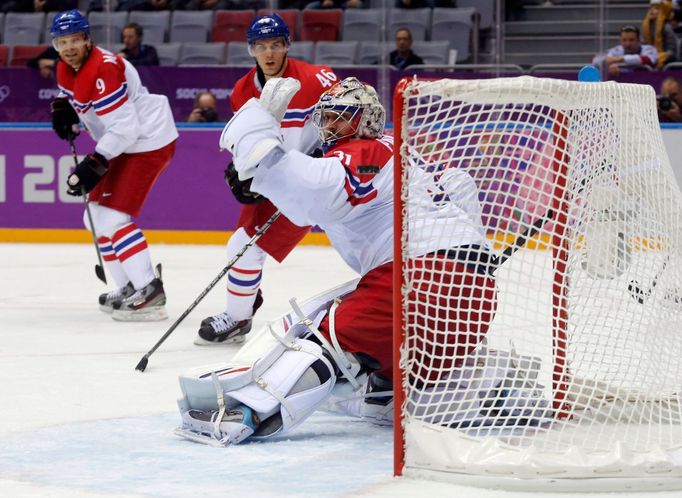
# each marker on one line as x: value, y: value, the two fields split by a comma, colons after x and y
x: 577, y: 378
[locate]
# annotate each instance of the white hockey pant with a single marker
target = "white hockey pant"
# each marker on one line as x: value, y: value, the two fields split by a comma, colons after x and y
x: 492, y: 388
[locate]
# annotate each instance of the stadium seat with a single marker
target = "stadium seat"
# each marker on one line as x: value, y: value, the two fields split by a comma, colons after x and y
x: 238, y: 54
x: 359, y: 24
x: 2, y: 25
x: 369, y: 53
x: 4, y: 55
x: 154, y: 24
x: 291, y: 18
x: 416, y: 20
x: 190, y: 26
x: 23, y: 28
x: 486, y: 8
x: 231, y: 25
x: 169, y: 53
x: 302, y: 50
x: 47, y: 37
x: 454, y: 25
x: 204, y: 54
x: 107, y: 27
x: 432, y: 52
x: 320, y: 25
x: 336, y: 53
x: 22, y: 53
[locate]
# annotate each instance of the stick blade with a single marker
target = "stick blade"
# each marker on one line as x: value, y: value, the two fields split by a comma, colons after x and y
x: 99, y: 271
x: 142, y: 364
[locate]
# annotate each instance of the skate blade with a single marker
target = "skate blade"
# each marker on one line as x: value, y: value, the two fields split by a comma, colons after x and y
x: 199, y: 438
x: 151, y: 314
x: 199, y: 341
x: 106, y: 309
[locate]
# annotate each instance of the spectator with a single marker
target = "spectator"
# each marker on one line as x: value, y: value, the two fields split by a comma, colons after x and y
x: 45, y: 62
x: 403, y: 56
x: 335, y: 4
x: 411, y: 4
x: 657, y: 31
x: 129, y: 5
x: 137, y: 53
x: 629, y: 55
x: 44, y: 5
x: 205, y: 109
x: 669, y: 101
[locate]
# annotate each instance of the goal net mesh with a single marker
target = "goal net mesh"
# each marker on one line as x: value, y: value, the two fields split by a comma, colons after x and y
x: 572, y: 365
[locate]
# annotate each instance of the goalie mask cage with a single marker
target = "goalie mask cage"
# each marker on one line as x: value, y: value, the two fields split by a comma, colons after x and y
x: 575, y: 375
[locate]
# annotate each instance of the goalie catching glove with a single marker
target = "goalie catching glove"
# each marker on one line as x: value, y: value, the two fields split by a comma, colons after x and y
x: 65, y: 121
x: 87, y: 174
x: 241, y: 189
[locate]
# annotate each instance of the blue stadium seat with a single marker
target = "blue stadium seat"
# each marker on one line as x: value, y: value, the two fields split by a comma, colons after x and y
x: 23, y: 28
x: 107, y: 27
x: 169, y: 53
x: 360, y: 24
x: 416, y: 20
x: 238, y: 54
x: 190, y: 25
x: 204, y: 54
x: 336, y: 53
x: 154, y: 24
x: 454, y: 25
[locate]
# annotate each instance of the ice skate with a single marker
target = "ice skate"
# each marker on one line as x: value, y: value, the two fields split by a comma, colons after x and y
x: 223, y: 329
x: 144, y: 305
x: 107, y: 300
x: 203, y: 427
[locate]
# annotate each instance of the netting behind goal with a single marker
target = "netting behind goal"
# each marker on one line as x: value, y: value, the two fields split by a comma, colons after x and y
x: 572, y: 370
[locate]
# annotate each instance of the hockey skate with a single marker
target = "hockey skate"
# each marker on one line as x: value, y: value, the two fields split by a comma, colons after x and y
x: 107, y: 300
x: 203, y: 427
x: 223, y: 329
x: 144, y: 305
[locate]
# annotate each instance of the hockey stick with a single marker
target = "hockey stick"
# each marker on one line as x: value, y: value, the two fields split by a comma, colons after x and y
x: 520, y: 241
x: 99, y: 268
x: 145, y: 359
x: 639, y: 294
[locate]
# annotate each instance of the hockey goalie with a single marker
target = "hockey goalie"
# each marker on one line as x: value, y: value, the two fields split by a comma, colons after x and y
x: 335, y: 351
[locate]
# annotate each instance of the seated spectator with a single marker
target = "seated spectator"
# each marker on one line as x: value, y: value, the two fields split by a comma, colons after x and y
x: 657, y: 31
x: 411, y: 4
x: 335, y: 4
x: 631, y: 54
x: 217, y: 4
x: 43, y: 5
x: 669, y: 101
x: 45, y: 62
x: 137, y: 53
x: 403, y: 56
x: 127, y: 5
x: 205, y: 109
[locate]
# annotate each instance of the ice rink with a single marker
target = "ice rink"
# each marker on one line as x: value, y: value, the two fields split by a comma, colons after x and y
x: 79, y: 421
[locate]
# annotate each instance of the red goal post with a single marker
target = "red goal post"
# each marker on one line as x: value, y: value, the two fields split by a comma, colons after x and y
x: 574, y: 372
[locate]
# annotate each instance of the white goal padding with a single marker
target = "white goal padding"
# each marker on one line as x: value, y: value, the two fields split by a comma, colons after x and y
x: 594, y: 296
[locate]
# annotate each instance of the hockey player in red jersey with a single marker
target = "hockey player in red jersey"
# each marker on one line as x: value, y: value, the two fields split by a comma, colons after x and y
x: 135, y: 134
x: 349, y: 194
x: 268, y: 39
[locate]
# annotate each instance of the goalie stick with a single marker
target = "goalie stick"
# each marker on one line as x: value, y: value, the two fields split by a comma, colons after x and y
x: 145, y: 359
x: 520, y: 241
x: 99, y: 268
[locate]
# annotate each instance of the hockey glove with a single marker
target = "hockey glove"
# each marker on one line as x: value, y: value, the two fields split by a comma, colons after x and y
x: 65, y: 121
x: 241, y: 189
x: 87, y: 174
x: 277, y: 94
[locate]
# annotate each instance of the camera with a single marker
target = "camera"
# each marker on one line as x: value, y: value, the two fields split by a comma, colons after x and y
x: 209, y: 114
x: 665, y: 103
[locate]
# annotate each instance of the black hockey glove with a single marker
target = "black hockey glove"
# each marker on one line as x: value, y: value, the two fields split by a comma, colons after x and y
x: 87, y: 174
x: 240, y: 189
x: 65, y: 121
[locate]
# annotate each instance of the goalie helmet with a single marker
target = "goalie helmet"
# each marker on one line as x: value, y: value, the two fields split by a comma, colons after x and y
x: 264, y: 27
x: 69, y: 22
x: 353, y: 103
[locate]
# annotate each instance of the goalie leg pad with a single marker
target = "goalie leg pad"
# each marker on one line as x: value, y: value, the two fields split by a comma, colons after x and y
x: 289, y: 382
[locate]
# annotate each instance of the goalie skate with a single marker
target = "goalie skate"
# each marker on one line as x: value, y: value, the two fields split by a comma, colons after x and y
x: 144, y: 305
x: 107, y: 300
x: 203, y: 427
x: 223, y: 329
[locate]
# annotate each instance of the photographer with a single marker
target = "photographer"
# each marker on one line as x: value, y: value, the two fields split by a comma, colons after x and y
x: 669, y: 101
x: 205, y: 109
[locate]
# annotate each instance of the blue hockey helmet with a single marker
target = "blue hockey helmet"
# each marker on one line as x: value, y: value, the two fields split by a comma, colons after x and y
x: 69, y: 22
x: 270, y: 26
